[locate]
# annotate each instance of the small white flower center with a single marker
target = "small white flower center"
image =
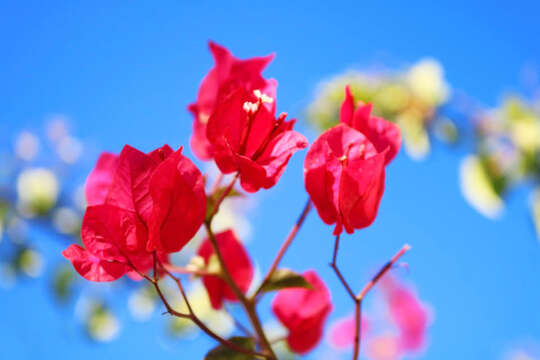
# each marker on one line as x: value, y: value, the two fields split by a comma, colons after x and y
x: 263, y: 97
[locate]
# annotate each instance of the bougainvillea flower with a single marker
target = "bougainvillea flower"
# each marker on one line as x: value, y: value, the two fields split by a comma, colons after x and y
x: 135, y: 215
x: 303, y: 312
x: 343, y: 331
x: 248, y: 139
x: 344, y: 176
x: 227, y: 75
x: 384, y: 347
x: 382, y: 133
x: 409, y: 315
x: 237, y: 262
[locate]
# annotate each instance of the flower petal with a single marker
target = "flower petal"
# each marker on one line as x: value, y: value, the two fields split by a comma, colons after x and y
x: 177, y: 192
x: 91, y: 267
x: 100, y: 179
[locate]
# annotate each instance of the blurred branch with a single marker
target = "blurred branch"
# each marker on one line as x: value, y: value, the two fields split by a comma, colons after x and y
x: 357, y: 299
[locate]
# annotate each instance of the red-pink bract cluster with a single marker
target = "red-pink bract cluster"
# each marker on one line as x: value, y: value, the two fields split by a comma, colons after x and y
x: 145, y: 206
x: 138, y: 203
x: 344, y: 168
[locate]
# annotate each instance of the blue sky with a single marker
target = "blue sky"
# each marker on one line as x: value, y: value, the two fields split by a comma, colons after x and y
x: 125, y: 72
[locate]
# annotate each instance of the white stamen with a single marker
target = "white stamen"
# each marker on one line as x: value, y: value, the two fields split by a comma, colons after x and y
x: 250, y: 107
x: 263, y: 97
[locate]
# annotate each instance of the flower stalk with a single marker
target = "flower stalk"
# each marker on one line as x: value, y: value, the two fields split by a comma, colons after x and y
x: 357, y: 299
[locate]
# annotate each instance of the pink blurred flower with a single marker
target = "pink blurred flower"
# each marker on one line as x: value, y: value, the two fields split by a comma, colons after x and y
x: 384, y: 347
x: 408, y: 313
x: 342, y: 332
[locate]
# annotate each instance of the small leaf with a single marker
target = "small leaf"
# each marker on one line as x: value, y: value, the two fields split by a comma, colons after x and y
x: 285, y: 278
x: 223, y: 352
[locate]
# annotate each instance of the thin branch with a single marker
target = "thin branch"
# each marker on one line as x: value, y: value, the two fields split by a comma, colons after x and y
x: 191, y: 315
x: 284, y: 247
x: 357, y: 328
x: 383, y: 271
x: 248, y: 305
x: 357, y: 299
x: 334, y: 266
x: 187, y: 270
x: 223, y: 195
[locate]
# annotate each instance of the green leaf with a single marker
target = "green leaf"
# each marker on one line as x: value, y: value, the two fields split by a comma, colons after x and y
x: 223, y: 352
x: 285, y: 278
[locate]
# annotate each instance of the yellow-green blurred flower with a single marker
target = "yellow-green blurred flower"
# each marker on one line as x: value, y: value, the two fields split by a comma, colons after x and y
x: 3, y: 214
x: 415, y: 135
x: 102, y: 324
x: 30, y: 262
x: 62, y: 283
x: 478, y: 189
x: 426, y: 80
x: 37, y: 191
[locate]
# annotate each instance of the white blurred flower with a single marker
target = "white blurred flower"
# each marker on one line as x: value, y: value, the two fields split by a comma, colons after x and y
x: 37, y: 190
x: 79, y: 198
x: 57, y: 128
x: 230, y: 216
x: 142, y: 304
x: 526, y: 133
x: 66, y: 220
x: 69, y: 149
x: 16, y: 228
x: 415, y: 136
x: 426, y: 80
x: 103, y: 325
x: 535, y: 210
x: 477, y: 188
x: 26, y: 146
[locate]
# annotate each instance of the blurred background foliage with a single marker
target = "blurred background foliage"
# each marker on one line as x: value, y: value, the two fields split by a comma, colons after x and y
x: 504, y: 142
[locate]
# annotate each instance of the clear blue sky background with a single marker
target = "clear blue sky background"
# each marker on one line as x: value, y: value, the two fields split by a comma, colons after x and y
x: 125, y: 72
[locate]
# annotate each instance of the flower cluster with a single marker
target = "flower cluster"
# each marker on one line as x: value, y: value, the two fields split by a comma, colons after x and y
x: 235, y: 122
x: 143, y: 207
x: 344, y: 168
